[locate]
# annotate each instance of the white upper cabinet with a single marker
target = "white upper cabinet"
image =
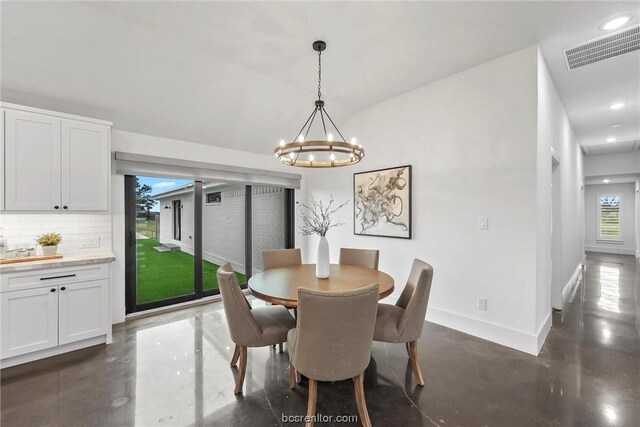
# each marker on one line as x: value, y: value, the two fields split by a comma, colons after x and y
x: 55, y: 162
x: 32, y: 161
x: 85, y: 166
x: 1, y: 160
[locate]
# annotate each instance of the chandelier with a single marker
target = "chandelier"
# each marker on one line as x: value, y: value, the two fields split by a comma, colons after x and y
x: 332, y: 151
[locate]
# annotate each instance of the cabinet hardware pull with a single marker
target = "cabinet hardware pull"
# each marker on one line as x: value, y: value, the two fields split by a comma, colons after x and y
x: 62, y: 288
x: 57, y: 277
x: 53, y: 290
x: 64, y: 207
x: 56, y: 207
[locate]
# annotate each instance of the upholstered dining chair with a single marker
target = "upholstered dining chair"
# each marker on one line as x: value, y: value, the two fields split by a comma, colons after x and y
x: 274, y: 258
x: 367, y: 258
x: 332, y: 340
x: 257, y: 327
x: 403, y: 322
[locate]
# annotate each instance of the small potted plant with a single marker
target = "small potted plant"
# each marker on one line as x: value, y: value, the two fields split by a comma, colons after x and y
x: 49, y: 243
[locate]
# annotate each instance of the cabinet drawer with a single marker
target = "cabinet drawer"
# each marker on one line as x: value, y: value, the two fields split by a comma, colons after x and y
x: 52, y: 277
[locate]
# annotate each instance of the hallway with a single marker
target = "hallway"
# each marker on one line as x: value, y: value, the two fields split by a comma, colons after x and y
x: 594, y: 346
x: 173, y: 369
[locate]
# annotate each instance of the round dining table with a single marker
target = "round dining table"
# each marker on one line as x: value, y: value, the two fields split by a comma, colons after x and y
x: 280, y: 285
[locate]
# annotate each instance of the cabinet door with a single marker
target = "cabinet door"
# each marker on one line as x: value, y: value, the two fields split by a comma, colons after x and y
x: 85, y: 166
x: 32, y: 161
x: 2, y: 159
x: 29, y: 321
x: 83, y: 310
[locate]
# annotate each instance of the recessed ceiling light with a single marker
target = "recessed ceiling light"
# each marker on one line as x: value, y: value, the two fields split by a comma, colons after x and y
x: 611, y: 139
x: 606, y: 181
x: 616, y: 23
x: 616, y: 125
x: 616, y: 106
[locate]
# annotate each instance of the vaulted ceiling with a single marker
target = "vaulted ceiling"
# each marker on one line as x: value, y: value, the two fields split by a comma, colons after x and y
x: 242, y: 75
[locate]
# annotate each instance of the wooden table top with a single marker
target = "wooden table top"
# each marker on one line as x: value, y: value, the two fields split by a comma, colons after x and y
x: 280, y: 285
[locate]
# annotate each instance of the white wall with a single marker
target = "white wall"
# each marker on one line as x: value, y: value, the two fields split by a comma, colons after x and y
x: 471, y: 139
x: 555, y: 131
x: 628, y: 200
x: 612, y: 164
x: 129, y: 142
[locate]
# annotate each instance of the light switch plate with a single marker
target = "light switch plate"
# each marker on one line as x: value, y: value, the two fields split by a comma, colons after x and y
x: 91, y: 242
x: 482, y: 304
x: 483, y: 223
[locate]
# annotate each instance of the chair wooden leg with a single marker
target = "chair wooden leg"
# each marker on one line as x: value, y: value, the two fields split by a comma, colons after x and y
x: 281, y: 347
x: 236, y: 354
x: 242, y: 370
x: 311, y: 404
x: 362, y: 404
x: 292, y: 377
x: 298, y: 377
x: 408, y: 350
x: 413, y: 347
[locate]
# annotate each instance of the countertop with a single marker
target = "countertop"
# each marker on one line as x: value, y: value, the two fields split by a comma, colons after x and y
x: 65, y: 261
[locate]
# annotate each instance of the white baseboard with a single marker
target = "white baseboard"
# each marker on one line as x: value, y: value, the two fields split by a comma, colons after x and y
x: 571, y: 283
x: 54, y: 351
x: 611, y: 250
x: 513, y: 338
x: 543, y: 332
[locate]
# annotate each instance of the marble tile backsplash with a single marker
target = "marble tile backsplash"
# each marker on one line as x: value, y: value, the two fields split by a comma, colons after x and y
x: 21, y: 228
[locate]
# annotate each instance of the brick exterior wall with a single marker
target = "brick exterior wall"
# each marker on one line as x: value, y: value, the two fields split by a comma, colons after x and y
x: 223, y: 225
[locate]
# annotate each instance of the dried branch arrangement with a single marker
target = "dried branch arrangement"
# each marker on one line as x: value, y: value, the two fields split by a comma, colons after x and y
x: 316, y: 219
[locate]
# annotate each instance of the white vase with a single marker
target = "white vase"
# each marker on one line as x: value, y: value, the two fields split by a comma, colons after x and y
x: 322, y: 265
x: 49, y: 250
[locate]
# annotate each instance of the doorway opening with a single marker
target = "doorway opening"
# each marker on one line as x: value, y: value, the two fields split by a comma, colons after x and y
x: 177, y: 219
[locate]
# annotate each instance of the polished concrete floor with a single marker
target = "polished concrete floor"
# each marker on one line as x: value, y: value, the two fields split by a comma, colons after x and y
x: 173, y: 369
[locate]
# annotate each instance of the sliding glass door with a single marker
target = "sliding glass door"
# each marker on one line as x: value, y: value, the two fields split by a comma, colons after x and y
x: 180, y: 232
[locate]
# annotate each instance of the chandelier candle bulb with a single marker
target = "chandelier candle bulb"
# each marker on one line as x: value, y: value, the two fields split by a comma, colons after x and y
x: 333, y: 150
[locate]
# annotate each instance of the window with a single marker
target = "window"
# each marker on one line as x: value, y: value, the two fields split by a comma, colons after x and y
x: 214, y: 198
x: 609, y: 217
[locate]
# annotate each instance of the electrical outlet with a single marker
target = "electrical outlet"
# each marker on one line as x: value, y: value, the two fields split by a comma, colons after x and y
x: 482, y: 304
x: 483, y: 223
x: 93, y: 242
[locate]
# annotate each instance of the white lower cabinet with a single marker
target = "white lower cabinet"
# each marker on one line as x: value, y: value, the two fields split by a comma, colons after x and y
x: 83, y: 311
x: 29, y: 321
x: 52, y: 311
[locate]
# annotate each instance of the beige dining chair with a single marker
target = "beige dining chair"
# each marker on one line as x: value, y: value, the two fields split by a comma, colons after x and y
x: 274, y: 258
x: 332, y: 340
x: 403, y: 322
x: 367, y: 258
x: 250, y: 327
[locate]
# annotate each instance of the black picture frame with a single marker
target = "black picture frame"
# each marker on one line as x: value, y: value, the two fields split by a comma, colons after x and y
x: 410, y: 202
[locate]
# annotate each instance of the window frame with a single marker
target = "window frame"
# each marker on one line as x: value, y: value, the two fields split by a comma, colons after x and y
x: 599, y: 236
x: 206, y: 199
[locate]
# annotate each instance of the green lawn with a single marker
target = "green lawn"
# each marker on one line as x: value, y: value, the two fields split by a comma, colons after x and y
x: 162, y: 275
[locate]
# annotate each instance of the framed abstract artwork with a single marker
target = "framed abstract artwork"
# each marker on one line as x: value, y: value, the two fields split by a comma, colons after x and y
x: 382, y: 202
